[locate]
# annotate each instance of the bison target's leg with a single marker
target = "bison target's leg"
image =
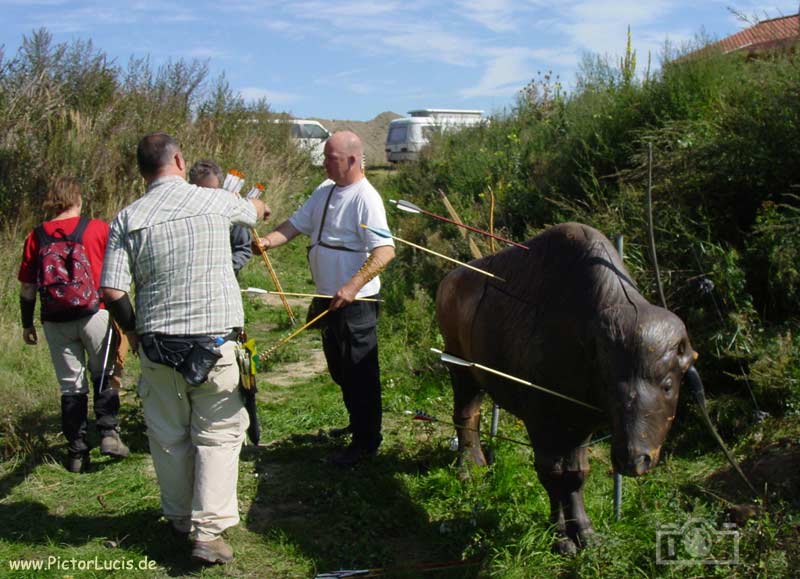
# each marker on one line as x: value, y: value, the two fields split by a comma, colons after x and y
x: 563, y: 476
x: 467, y: 397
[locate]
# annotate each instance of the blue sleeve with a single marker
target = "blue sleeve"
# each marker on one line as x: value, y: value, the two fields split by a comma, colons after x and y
x: 241, y: 251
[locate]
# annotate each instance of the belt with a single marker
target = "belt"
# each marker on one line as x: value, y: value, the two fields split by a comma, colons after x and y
x: 232, y: 336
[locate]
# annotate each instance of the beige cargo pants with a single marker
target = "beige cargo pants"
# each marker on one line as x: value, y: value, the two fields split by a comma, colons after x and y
x: 196, y: 433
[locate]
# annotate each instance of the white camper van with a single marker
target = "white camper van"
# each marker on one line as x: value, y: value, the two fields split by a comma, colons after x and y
x: 407, y: 136
x: 310, y: 136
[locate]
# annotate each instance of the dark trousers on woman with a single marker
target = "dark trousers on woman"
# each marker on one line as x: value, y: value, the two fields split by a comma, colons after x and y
x: 350, y: 342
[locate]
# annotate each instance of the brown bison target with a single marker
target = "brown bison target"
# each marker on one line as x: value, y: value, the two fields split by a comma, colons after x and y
x: 568, y: 318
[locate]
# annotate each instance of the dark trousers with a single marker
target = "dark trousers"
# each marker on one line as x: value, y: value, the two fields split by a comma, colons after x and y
x: 350, y: 342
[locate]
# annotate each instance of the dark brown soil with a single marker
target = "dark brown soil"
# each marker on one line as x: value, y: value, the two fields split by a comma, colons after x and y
x: 776, y: 465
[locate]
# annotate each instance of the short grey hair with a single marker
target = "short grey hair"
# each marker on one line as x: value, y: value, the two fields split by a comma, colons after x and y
x: 154, y: 152
x: 203, y: 169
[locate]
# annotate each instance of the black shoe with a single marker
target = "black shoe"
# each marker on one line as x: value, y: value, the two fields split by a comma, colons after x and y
x: 340, y: 432
x: 77, y: 462
x: 352, y: 455
x: 179, y: 535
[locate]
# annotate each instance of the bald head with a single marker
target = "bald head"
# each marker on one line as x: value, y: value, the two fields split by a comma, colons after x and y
x: 343, y: 154
x: 348, y: 141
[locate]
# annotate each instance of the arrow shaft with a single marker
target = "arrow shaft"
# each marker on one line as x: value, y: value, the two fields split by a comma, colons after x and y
x: 281, y: 342
x: 471, y: 228
x: 532, y: 385
x: 460, y: 361
x: 302, y: 295
x: 274, y: 277
x: 468, y: 266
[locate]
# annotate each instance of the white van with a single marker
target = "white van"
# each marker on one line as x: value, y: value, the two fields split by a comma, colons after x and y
x: 309, y: 136
x: 407, y: 136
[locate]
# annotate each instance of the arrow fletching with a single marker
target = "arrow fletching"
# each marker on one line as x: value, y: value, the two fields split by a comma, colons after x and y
x: 378, y: 231
x: 255, y: 192
x: 234, y: 181
x: 450, y: 359
x: 255, y: 290
x: 407, y: 206
x: 424, y: 416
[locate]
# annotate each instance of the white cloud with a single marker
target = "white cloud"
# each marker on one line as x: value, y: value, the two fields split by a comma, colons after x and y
x: 273, y: 97
x: 352, y: 16
x: 507, y: 71
x: 602, y: 26
x: 495, y: 15
x: 207, y: 52
x: 431, y: 43
x: 33, y: 3
x: 278, y: 25
x: 360, y: 88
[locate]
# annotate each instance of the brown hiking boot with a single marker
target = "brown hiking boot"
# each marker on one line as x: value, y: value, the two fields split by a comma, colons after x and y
x: 111, y: 445
x: 211, y: 552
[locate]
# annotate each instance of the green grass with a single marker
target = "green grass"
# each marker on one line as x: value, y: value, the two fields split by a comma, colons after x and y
x: 300, y: 516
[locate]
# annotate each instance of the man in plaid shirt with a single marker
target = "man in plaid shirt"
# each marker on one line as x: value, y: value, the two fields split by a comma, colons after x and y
x: 173, y: 245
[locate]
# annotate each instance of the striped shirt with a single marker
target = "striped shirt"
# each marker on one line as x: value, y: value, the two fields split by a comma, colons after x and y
x: 174, y: 245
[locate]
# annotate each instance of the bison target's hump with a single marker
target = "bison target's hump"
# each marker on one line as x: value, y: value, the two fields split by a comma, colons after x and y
x: 570, y: 266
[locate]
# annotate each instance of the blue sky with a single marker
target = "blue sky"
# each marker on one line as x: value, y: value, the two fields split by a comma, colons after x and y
x: 355, y: 59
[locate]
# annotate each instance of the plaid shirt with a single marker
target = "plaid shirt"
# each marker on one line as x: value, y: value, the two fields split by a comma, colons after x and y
x: 174, y: 245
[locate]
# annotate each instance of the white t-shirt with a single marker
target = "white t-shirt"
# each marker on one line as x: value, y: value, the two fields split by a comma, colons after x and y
x: 348, y: 208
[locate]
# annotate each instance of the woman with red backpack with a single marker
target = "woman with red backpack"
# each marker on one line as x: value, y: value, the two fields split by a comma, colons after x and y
x: 63, y: 259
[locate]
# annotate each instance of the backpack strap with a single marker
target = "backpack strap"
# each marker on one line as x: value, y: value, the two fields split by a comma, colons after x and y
x: 42, y: 238
x: 45, y: 238
x: 77, y: 234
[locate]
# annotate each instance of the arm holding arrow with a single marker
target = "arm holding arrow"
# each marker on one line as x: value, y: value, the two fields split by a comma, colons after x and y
x: 284, y: 233
x: 377, y: 261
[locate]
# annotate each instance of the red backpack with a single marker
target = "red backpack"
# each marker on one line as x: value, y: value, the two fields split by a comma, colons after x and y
x: 64, y: 277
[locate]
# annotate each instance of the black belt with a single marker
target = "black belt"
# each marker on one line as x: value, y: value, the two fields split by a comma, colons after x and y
x: 193, y: 356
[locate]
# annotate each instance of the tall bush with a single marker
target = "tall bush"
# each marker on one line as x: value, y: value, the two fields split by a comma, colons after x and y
x: 66, y: 108
x: 723, y: 131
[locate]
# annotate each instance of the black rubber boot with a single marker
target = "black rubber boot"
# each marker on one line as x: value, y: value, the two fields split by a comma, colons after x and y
x: 74, y: 410
x: 106, y: 408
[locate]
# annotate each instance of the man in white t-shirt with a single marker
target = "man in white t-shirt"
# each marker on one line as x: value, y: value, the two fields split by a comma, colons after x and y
x: 345, y: 260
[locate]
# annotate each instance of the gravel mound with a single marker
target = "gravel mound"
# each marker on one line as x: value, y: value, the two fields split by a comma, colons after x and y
x: 372, y: 133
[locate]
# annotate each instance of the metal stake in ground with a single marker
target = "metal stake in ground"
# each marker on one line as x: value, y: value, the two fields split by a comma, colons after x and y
x: 386, y: 233
x: 425, y: 417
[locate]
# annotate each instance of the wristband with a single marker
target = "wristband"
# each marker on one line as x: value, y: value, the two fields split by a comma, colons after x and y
x: 371, y: 268
x: 122, y: 311
x: 26, y: 308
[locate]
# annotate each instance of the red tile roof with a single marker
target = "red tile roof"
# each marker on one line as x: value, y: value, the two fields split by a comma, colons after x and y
x: 765, y: 34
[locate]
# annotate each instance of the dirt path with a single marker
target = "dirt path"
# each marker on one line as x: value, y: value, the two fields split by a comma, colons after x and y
x: 314, y: 360
x: 294, y: 372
